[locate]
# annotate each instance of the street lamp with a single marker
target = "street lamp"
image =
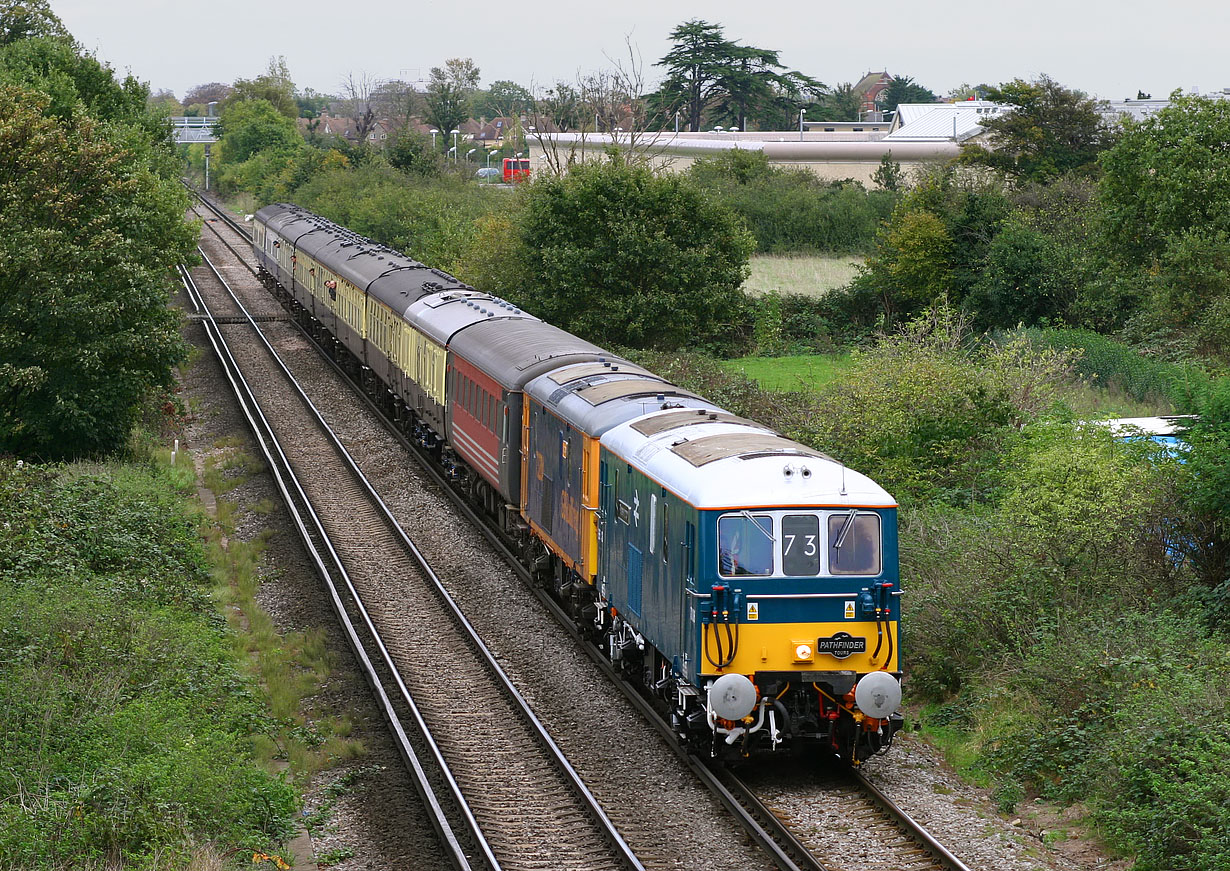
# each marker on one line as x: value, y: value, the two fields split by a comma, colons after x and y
x: 434, y: 131
x: 595, y: 122
x: 802, y: 112
x: 455, y: 131
x: 468, y: 153
x: 676, y: 123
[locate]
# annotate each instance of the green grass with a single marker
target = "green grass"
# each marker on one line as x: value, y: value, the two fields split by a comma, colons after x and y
x: 800, y: 372
x: 806, y: 275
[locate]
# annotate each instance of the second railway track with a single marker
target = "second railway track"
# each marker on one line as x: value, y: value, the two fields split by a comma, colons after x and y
x: 529, y: 804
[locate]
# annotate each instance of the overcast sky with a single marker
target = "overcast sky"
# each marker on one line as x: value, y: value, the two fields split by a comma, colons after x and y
x: 1108, y: 48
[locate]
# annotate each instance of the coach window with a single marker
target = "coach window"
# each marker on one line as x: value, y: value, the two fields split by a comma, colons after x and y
x: 745, y: 545
x: 854, y: 543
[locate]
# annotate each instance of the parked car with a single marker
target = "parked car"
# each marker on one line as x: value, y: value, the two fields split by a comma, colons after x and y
x: 488, y: 175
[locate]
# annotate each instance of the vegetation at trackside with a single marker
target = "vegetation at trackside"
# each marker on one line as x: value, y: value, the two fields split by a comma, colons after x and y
x: 135, y: 728
x: 574, y: 231
x: 127, y: 715
x: 1068, y: 591
x: 91, y: 225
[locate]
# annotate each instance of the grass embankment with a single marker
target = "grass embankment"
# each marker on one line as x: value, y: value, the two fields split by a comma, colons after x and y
x: 791, y: 373
x: 801, y: 274
x: 136, y: 728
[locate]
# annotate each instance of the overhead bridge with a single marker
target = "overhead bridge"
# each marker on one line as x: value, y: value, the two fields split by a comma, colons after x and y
x: 189, y: 129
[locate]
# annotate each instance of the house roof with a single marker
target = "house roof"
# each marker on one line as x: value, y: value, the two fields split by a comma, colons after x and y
x: 938, y: 122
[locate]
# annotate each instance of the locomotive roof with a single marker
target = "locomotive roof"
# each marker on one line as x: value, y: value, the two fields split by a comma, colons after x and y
x: 720, y: 461
x: 442, y: 315
x: 514, y: 352
x: 595, y: 396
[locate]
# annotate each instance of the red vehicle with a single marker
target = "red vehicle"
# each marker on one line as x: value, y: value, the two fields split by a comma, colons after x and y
x: 516, y: 169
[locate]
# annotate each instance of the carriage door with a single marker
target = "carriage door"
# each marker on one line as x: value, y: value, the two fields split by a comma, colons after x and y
x: 687, y: 610
x: 605, y: 497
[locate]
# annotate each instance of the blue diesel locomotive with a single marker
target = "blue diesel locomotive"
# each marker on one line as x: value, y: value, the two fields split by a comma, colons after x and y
x: 749, y: 583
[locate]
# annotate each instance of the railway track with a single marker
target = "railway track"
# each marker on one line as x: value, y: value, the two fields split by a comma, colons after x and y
x: 507, y: 797
x: 891, y: 838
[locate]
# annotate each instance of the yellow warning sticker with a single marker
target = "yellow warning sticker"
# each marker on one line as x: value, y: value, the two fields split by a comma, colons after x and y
x: 849, y: 610
x: 753, y: 611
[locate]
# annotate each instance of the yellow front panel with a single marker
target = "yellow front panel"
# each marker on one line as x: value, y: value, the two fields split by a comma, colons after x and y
x: 589, y: 509
x: 772, y: 647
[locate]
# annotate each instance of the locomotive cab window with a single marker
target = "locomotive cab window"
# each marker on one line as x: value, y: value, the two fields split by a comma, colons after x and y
x: 745, y: 545
x: 854, y: 543
x: 801, y: 544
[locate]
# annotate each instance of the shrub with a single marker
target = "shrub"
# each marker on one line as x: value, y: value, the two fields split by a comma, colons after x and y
x: 619, y: 255
x: 126, y: 721
x: 791, y: 210
x: 1108, y: 363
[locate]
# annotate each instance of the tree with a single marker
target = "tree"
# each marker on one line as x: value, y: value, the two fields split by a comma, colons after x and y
x: 936, y: 243
x: 889, y: 175
x: 252, y: 126
x: 1206, y: 486
x: 966, y: 91
x: 311, y: 102
x: 619, y: 255
x: 360, y: 98
x: 210, y: 92
x: 903, y: 89
x: 843, y: 104
x: 449, y: 92
x: 503, y: 98
x: 164, y: 103
x: 694, y: 67
x: 72, y: 80
x: 30, y: 19
x: 707, y: 72
x: 91, y: 226
x: 560, y: 106
x: 411, y: 152
x: 1049, y: 131
x: 1167, y: 175
x: 275, y: 87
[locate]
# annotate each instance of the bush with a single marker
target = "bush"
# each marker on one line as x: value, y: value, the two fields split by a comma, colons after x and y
x: 126, y: 721
x: 431, y: 220
x: 616, y: 254
x: 1107, y: 363
x: 791, y: 210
